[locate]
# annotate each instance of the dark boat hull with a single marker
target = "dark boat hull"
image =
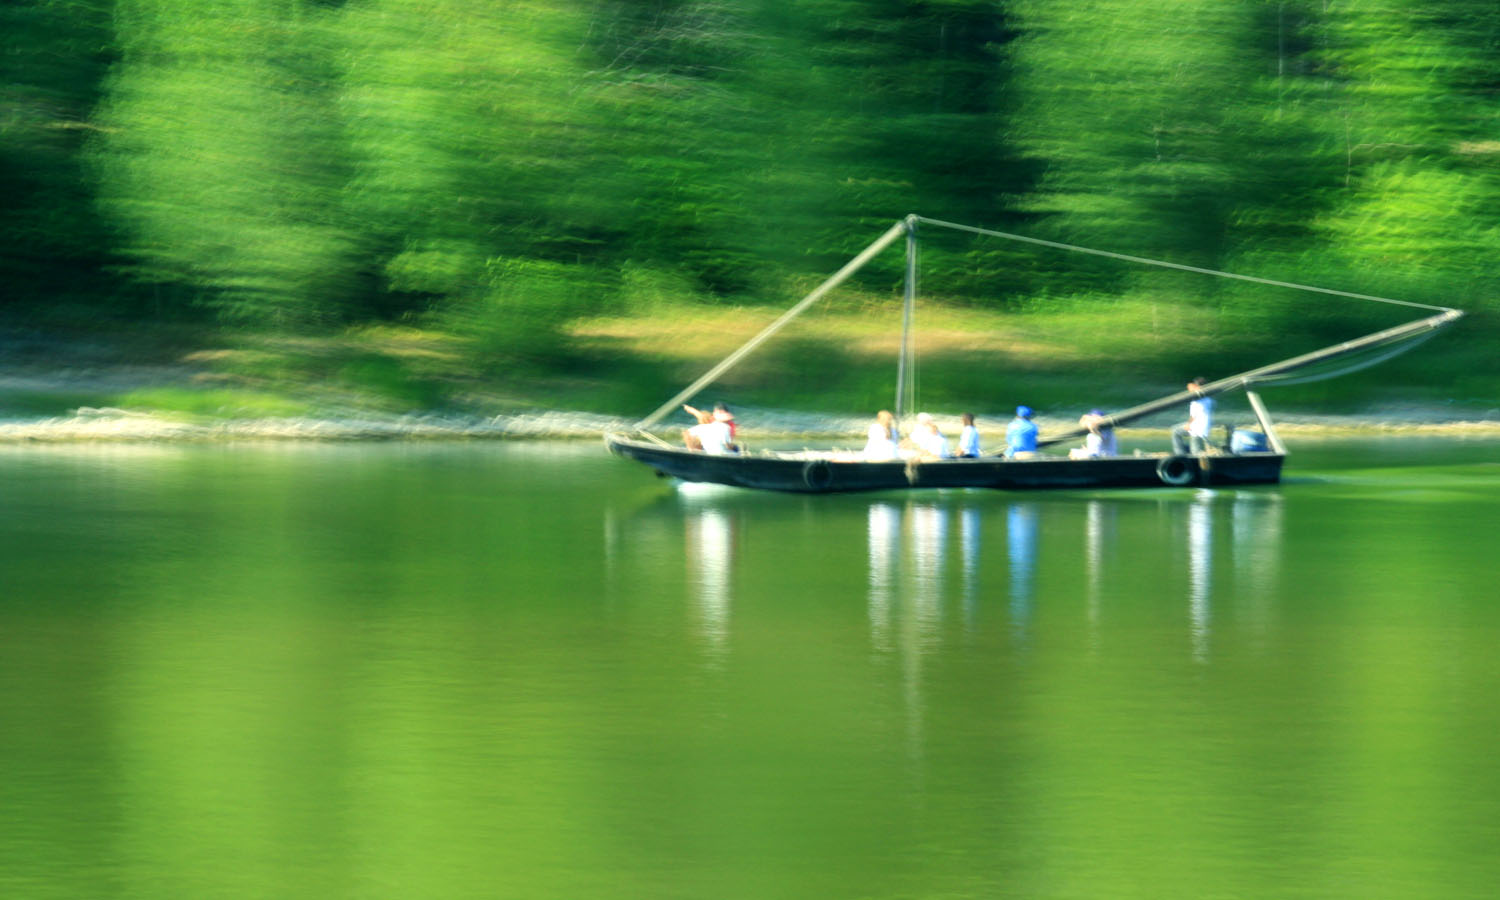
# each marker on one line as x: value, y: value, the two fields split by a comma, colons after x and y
x: 824, y: 476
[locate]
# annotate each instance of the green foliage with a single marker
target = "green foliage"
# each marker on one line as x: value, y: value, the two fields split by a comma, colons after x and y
x: 212, y: 402
x: 219, y: 158
x: 498, y: 171
x: 516, y: 319
x: 391, y: 381
x: 53, y: 246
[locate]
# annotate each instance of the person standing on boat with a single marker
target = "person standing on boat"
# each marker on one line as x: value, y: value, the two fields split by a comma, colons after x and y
x: 968, y: 439
x: 1192, y: 438
x: 881, y: 444
x: 1020, y: 435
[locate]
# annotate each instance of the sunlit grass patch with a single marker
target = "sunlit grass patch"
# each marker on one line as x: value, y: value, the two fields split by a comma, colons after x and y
x: 217, y: 402
x: 1135, y: 329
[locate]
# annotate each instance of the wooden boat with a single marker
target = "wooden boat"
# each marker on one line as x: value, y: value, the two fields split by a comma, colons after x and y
x: 807, y: 473
x: 1257, y: 461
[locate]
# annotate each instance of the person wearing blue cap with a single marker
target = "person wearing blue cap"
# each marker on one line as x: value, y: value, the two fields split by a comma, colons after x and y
x: 1020, y: 436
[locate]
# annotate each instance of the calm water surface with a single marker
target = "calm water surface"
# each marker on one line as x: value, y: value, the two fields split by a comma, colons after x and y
x: 531, y: 670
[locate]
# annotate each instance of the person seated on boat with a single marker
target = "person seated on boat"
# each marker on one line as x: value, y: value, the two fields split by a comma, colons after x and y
x: 968, y: 438
x: 1099, y: 442
x: 1192, y: 437
x: 927, y: 439
x: 881, y: 444
x: 722, y: 414
x: 1020, y: 435
x: 709, y: 435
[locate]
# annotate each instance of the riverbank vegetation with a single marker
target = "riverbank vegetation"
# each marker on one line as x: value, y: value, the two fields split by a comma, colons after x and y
x: 453, y: 205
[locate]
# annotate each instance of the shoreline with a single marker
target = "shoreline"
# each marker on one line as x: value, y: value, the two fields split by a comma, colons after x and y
x: 101, y: 425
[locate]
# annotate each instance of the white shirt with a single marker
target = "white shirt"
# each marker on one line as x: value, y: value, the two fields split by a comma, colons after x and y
x: 714, y: 436
x: 1201, y: 417
x: 930, y: 440
x: 880, y: 445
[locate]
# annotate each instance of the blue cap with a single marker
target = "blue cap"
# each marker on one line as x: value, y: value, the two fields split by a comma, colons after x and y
x: 1023, y: 411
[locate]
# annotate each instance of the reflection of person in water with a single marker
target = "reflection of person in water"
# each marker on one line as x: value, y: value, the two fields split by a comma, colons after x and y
x: 710, y: 551
x: 885, y: 546
x: 1021, y: 541
x: 1200, y: 570
x: 969, y: 540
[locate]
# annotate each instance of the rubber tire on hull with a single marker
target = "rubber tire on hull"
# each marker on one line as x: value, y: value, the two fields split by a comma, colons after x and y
x: 817, y: 474
x: 1176, y: 471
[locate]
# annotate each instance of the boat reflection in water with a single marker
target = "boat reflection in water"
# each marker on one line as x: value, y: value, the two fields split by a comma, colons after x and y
x: 1255, y: 517
x: 1021, y: 544
x: 969, y: 537
x: 912, y: 577
x: 908, y: 556
x: 979, y: 561
x: 915, y: 578
x: 885, y: 543
x: 1200, y: 571
x: 1254, y: 548
x: 1098, y: 537
x: 710, y: 546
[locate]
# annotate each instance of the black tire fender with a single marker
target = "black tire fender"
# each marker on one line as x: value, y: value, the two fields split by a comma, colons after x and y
x: 1176, y: 471
x: 817, y: 474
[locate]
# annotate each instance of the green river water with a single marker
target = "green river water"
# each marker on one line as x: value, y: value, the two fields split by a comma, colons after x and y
x: 531, y: 670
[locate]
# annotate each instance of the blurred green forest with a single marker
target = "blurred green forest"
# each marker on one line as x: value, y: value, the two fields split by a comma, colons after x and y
x: 416, y: 196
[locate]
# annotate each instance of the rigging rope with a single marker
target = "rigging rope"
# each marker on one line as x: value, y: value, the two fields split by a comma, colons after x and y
x: 1171, y: 265
x: 1396, y: 349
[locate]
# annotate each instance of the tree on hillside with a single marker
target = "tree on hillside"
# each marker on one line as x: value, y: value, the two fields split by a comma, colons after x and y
x: 221, y: 158
x: 1138, y: 116
x: 53, y: 248
x: 1415, y: 124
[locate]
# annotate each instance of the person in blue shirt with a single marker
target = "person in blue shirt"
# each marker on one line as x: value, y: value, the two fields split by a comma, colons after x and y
x: 968, y: 438
x: 1020, y: 436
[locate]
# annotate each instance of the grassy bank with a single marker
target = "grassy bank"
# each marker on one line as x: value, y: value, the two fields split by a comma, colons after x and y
x: 839, y: 358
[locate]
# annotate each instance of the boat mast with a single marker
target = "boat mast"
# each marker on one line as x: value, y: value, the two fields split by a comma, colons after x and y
x: 905, y: 370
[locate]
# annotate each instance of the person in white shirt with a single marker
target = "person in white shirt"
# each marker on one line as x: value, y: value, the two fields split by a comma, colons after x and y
x: 881, y: 444
x: 1193, y: 436
x: 927, y: 439
x: 710, y: 435
x: 1099, y: 442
